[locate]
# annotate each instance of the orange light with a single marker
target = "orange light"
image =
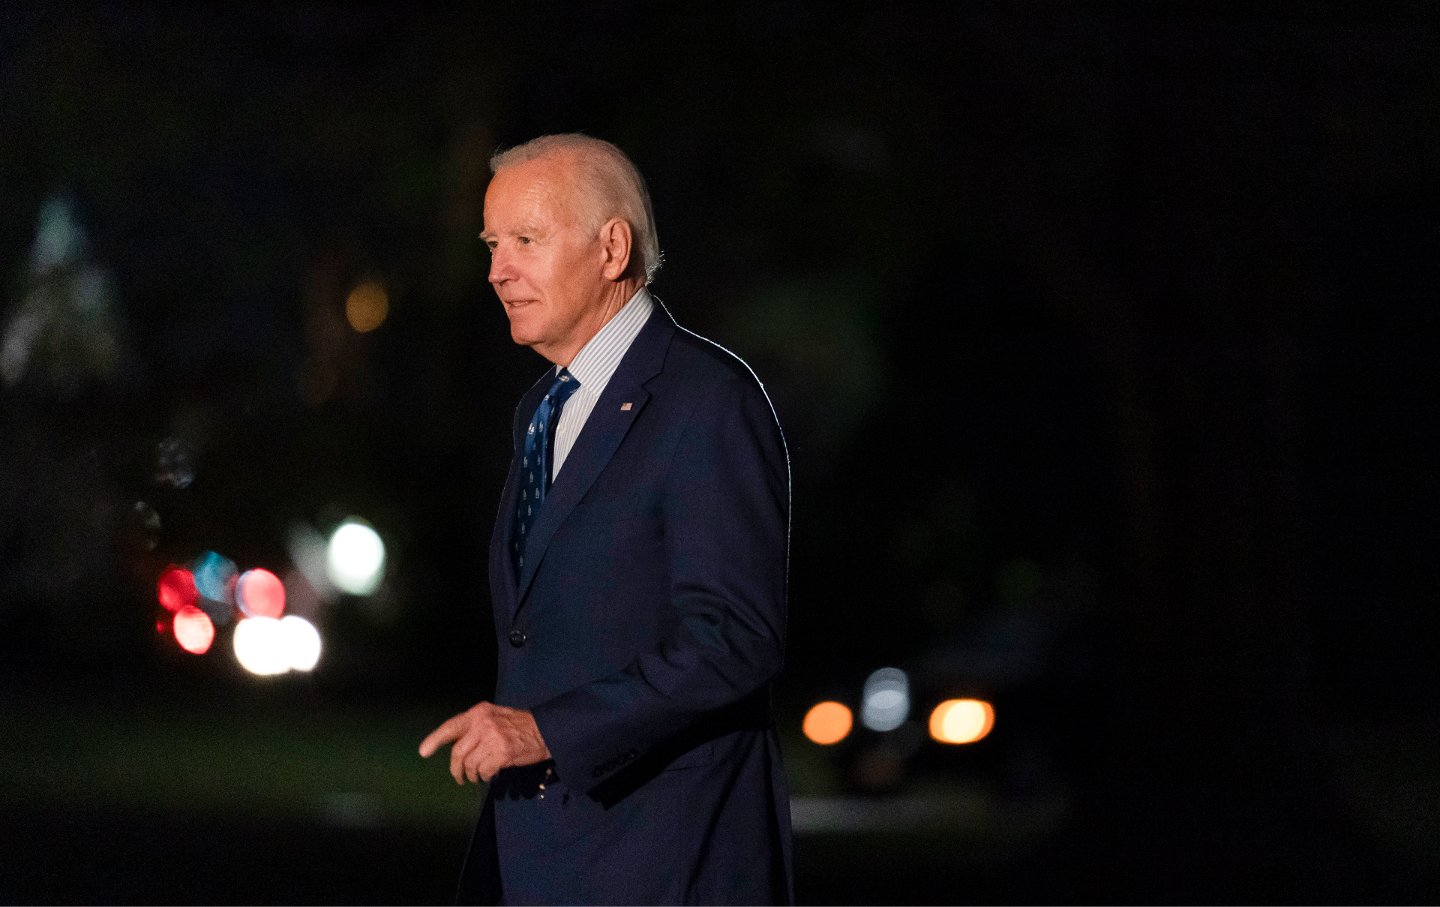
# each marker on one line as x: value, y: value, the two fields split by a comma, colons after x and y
x: 194, y: 630
x: 366, y: 306
x: 827, y: 723
x: 961, y: 720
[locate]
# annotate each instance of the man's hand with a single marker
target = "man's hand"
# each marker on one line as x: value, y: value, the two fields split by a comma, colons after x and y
x: 487, y: 738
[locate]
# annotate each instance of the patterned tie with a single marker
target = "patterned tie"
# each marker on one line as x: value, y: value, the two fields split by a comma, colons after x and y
x: 535, y: 461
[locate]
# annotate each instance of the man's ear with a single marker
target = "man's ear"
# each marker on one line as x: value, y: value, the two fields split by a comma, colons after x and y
x: 616, y: 241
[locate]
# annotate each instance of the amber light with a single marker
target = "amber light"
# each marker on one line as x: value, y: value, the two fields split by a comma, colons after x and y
x: 366, y: 306
x: 962, y: 720
x: 827, y: 723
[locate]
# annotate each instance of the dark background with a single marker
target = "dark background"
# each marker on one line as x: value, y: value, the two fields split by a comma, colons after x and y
x: 1117, y: 325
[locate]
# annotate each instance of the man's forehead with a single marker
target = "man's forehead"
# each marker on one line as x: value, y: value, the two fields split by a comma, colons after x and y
x: 548, y: 174
x: 527, y: 198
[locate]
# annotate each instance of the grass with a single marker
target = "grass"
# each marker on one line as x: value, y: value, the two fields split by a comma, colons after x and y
x: 264, y: 756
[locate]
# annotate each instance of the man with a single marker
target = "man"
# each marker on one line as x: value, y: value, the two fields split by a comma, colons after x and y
x: 639, y: 594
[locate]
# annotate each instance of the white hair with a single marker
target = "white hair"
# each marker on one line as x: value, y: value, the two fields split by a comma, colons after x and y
x: 610, y: 182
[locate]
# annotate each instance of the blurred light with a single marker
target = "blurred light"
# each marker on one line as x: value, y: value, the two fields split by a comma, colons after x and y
x: 961, y: 720
x: 60, y: 240
x: 259, y: 593
x: 301, y: 596
x: 176, y: 589
x: 885, y: 703
x: 64, y: 331
x: 827, y: 723
x: 215, y: 577
x: 355, y: 558
x: 144, y: 524
x: 194, y: 630
x: 301, y: 641
x: 260, y: 646
x: 265, y: 646
x: 366, y: 306
x: 174, y: 464
x: 22, y: 335
x: 308, y: 552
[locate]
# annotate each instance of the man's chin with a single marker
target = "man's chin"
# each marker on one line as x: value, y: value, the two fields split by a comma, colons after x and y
x: 523, y: 338
x: 520, y: 331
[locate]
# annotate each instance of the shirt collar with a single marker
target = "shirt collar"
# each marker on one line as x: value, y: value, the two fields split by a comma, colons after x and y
x: 597, y: 360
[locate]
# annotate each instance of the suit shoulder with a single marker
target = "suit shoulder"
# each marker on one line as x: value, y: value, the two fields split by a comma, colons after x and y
x: 708, y: 363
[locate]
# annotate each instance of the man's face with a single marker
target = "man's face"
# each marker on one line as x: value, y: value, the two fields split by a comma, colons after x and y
x: 544, y: 267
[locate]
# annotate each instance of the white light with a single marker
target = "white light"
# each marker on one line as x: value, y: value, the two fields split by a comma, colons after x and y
x: 355, y: 558
x: 260, y: 646
x: 301, y: 642
x: 885, y: 703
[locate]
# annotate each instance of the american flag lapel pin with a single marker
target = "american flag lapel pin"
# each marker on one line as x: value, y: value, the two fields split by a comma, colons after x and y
x: 625, y: 407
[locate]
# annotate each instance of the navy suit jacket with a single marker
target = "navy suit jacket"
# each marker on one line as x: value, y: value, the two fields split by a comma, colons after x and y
x: 643, y: 634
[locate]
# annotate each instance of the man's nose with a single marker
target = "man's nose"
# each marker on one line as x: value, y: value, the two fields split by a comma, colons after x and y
x: 499, y: 266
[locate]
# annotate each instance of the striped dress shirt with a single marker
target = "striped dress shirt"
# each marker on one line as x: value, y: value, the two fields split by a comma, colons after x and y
x: 593, y: 367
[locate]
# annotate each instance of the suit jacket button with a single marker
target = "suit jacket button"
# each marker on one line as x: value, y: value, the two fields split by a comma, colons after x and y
x: 517, y: 638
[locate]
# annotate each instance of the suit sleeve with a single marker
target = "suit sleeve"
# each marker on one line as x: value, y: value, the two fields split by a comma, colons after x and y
x: 726, y: 526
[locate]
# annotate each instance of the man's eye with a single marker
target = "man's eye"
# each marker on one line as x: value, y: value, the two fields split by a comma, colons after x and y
x: 524, y: 240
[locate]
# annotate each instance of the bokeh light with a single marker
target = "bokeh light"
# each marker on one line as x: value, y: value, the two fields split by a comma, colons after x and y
x: 309, y: 551
x: 215, y: 577
x: 259, y: 593
x: 259, y: 646
x: 194, y: 630
x: 355, y: 558
x: 143, y: 526
x: 176, y: 589
x: 962, y: 720
x: 266, y: 647
x: 885, y: 703
x: 367, y: 306
x: 301, y: 641
x: 827, y: 723
x: 174, y: 464
x: 62, y: 329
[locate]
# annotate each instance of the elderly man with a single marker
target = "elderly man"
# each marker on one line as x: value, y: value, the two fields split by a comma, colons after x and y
x: 637, y: 573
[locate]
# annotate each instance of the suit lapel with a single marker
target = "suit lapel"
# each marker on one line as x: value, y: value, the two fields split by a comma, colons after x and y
x: 604, y: 430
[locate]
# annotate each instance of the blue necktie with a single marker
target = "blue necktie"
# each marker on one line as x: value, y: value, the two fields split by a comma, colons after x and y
x: 535, y: 462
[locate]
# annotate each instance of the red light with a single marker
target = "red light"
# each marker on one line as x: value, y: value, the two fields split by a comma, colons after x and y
x: 194, y: 630
x: 176, y: 589
x: 260, y: 593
